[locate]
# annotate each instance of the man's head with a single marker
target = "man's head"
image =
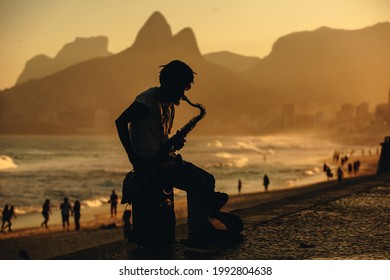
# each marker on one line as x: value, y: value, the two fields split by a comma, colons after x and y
x: 176, y: 77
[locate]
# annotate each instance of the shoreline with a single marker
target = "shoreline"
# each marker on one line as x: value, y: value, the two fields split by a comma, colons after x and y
x: 41, y: 243
x: 93, y: 218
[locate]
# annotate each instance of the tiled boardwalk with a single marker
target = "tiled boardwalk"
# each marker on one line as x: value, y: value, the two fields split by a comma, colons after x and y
x: 347, y: 221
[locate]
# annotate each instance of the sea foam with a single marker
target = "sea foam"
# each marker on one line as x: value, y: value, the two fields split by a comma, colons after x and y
x: 6, y: 162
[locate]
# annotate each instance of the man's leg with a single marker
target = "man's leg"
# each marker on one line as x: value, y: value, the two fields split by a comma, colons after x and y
x: 199, y: 186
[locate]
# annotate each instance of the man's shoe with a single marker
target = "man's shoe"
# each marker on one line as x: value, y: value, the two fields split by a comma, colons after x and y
x: 218, y: 201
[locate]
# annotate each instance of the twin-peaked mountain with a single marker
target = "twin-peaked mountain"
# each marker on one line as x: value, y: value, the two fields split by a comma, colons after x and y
x: 68, y: 100
x: 316, y: 69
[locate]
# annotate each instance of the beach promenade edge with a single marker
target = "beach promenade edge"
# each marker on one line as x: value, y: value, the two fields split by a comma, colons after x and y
x: 350, y: 220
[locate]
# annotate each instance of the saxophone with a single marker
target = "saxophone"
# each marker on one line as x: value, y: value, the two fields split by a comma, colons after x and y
x: 183, y: 132
x: 170, y: 146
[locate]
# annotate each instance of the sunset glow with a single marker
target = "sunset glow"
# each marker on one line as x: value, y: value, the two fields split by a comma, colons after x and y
x: 249, y: 27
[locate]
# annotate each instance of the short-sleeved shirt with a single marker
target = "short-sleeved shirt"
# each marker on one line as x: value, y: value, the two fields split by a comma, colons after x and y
x: 148, y: 134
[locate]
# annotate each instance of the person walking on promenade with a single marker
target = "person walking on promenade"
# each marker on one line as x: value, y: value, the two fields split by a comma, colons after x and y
x: 114, y: 203
x: 76, y: 214
x: 266, y: 182
x: 66, y: 211
x: 46, y: 211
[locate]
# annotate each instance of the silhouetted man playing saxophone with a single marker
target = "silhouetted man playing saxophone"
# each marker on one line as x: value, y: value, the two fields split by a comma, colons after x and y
x: 144, y: 129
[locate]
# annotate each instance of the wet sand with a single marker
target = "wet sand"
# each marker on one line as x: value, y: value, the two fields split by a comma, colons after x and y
x: 41, y: 243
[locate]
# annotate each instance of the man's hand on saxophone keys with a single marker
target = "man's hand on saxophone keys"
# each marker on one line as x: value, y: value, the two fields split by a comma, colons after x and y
x: 178, y: 141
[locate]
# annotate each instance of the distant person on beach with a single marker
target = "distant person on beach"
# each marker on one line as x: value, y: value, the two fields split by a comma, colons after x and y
x: 325, y: 167
x: 8, y: 218
x: 327, y: 171
x: 239, y: 186
x: 114, y: 203
x: 144, y: 129
x: 76, y: 214
x: 350, y: 169
x: 329, y: 174
x: 46, y: 211
x: 4, y: 216
x: 266, y: 182
x: 356, y: 166
x: 66, y: 211
x: 340, y: 174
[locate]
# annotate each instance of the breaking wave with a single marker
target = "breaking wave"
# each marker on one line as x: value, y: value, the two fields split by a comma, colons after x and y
x: 6, y: 162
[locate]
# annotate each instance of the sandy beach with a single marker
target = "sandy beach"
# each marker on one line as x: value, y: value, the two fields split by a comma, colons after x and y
x: 97, y: 227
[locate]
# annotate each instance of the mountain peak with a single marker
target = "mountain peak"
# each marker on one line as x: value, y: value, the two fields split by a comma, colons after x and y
x: 155, y: 29
x: 81, y: 49
x: 186, y: 37
x: 84, y: 48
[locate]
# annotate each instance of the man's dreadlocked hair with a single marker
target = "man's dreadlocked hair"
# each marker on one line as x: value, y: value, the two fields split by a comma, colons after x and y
x: 178, y: 70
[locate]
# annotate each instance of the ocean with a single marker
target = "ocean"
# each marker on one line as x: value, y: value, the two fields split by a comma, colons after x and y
x: 88, y: 168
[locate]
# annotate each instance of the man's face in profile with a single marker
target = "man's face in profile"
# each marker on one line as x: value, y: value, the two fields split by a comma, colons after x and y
x: 176, y: 91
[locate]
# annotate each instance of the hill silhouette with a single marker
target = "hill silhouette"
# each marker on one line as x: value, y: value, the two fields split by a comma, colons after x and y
x: 317, y: 69
x: 235, y: 62
x: 326, y: 67
x: 81, y: 49
x: 67, y: 101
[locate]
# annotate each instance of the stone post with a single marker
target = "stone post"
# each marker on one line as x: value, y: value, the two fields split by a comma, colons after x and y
x: 384, y: 160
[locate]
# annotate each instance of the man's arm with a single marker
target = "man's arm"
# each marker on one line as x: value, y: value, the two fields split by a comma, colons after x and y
x: 134, y: 112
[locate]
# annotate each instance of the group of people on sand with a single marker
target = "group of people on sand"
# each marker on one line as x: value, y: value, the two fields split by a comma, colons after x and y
x: 352, y: 167
x: 7, y: 215
x: 66, y: 208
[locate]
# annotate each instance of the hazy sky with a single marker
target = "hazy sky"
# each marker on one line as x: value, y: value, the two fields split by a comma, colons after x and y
x: 247, y: 27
